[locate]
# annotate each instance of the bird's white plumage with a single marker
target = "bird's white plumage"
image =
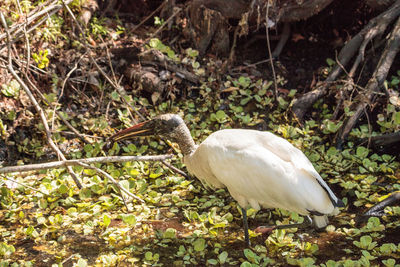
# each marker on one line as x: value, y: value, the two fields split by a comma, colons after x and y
x: 261, y: 169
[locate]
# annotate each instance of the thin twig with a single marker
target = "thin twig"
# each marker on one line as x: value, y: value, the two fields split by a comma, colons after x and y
x: 149, y: 16
x: 35, y: 103
x: 27, y: 43
x: 119, y: 88
x: 47, y: 11
x: 175, y: 169
x: 112, y: 180
x: 177, y: 11
x: 24, y: 185
x: 73, y: 162
x: 270, y: 54
x: 68, y: 75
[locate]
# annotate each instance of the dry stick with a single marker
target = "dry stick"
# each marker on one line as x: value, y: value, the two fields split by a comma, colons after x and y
x: 151, y: 15
x: 302, y: 104
x: 30, y: 19
x: 46, y: 11
x: 375, y: 83
x: 371, y: 34
x: 270, y: 54
x: 32, y: 67
x: 74, y: 162
x: 58, y: 113
x: 35, y: 103
x: 119, y: 89
x: 68, y: 75
x: 175, y: 169
x: 84, y: 135
x: 27, y: 43
x: 40, y: 93
x: 233, y: 47
x: 112, y: 180
x: 178, y: 10
x: 24, y: 185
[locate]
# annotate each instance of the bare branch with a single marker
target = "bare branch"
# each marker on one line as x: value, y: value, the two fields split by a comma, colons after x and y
x: 174, y: 169
x: 74, y: 162
x: 24, y: 185
x: 376, y: 82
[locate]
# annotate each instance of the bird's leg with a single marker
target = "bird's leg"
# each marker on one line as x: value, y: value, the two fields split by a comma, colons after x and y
x: 267, y: 229
x: 245, y: 227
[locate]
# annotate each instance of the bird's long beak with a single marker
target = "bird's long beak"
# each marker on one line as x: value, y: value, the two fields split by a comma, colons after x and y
x: 140, y: 129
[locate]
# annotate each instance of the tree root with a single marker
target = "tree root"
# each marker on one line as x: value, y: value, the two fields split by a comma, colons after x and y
x: 374, y: 28
x: 384, y: 140
x: 375, y: 83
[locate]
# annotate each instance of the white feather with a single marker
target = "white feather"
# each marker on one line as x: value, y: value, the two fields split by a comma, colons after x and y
x: 261, y: 169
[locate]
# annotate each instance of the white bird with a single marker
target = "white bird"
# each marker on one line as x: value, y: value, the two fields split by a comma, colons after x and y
x: 258, y: 168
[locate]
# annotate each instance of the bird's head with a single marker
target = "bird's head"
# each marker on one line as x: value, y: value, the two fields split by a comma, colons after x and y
x: 166, y: 125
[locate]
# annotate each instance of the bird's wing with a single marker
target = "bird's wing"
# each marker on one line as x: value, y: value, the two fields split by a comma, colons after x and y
x: 286, y: 151
x: 260, y: 168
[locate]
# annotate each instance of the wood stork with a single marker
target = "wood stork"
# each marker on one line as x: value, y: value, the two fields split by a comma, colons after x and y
x: 258, y: 168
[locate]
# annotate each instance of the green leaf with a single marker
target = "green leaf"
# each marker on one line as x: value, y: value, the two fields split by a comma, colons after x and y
x: 389, y: 262
x: 292, y: 93
x: 81, y: 263
x: 244, y: 81
x: 395, y: 81
x: 88, y: 148
x: 129, y: 219
x: 220, y: 115
x: 251, y: 256
x: 212, y: 261
x: 115, y: 96
x: 29, y: 230
x: 6, y: 250
x: 154, y: 42
x: 85, y: 193
x: 245, y: 100
x: 42, y: 203
x: 199, y: 244
x: 362, y: 152
x: 222, y: 257
x: 387, y: 248
x: 63, y: 189
x: 332, y: 127
x: 332, y: 151
x: 195, y: 65
x: 330, y: 62
x: 191, y: 52
x: 246, y: 264
x: 170, y: 233
x: 11, y: 89
x: 397, y: 117
x: 106, y: 220
x: 148, y: 255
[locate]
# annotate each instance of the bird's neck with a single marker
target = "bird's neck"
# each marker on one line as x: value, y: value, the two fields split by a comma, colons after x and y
x: 185, y: 140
